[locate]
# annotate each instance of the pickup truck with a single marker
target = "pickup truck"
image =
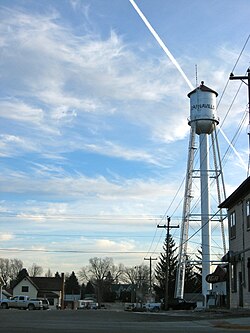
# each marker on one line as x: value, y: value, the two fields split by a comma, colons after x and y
x: 181, y: 304
x: 21, y: 302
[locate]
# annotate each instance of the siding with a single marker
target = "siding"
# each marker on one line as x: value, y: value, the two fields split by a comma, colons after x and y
x: 240, y: 244
x: 32, y: 293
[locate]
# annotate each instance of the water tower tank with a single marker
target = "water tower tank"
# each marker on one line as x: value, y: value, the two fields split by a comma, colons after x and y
x: 203, y: 109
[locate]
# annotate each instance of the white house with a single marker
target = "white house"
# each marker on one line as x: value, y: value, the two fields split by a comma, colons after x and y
x: 51, y: 288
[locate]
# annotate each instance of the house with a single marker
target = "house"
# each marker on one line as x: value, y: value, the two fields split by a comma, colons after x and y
x: 5, y: 294
x: 71, y: 301
x: 238, y: 211
x: 51, y: 288
x: 123, y: 291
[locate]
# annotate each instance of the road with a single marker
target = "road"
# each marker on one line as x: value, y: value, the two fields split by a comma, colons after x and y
x: 106, y: 321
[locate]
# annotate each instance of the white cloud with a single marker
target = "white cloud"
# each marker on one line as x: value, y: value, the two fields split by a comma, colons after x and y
x: 6, y: 237
x: 80, y: 185
x: 20, y: 111
x: 112, y: 149
x: 11, y: 145
x: 66, y: 70
x: 109, y: 245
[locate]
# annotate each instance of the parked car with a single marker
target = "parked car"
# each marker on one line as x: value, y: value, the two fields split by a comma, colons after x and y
x: 181, y: 304
x: 86, y: 304
x: 45, y: 302
x: 152, y: 307
x: 129, y: 306
x: 136, y: 307
x: 21, y: 302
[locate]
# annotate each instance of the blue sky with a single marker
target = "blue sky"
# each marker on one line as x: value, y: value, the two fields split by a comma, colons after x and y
x: 93, y: 131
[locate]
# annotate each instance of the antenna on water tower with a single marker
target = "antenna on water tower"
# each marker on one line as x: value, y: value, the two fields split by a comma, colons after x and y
x: 203, y: 121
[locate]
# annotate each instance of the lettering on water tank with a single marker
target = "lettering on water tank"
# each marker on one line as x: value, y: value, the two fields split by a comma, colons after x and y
x: 201, y: 106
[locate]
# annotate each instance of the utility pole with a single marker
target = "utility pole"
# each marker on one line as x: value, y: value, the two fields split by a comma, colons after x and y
x: 242, y: 78
x: 150, y: 272
x: 167, y: 227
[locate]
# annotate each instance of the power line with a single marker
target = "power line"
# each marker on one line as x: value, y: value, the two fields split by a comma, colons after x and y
x: 128, y: 235
x: 71, y: 251
x: 84, y: 217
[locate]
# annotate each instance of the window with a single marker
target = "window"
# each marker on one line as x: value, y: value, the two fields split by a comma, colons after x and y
x: 232, y: 219
x: 25, y: 289
x: 248, y: 213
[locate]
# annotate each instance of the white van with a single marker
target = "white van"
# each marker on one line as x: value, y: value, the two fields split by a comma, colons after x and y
x: 86, y: 304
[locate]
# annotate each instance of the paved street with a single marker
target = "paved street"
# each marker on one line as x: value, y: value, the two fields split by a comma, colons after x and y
x: 106, y: 321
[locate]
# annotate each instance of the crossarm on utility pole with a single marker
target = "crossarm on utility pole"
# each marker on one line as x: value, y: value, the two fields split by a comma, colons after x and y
x: 150, y: 272
x: 245, y: 77
x: 167, y: 227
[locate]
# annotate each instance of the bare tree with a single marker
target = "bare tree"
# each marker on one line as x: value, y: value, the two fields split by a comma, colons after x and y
x: 139, y: 278
x: 16, y: 266
x: 129, y: 275
x: 35, y: 270
x: 5, y: 269
x: 99, y: 268
x: 98, y: 271
x: 9, y: 269
x: 136, y: 274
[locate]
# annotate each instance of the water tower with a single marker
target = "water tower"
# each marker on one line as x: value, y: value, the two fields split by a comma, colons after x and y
x: 203, y: 121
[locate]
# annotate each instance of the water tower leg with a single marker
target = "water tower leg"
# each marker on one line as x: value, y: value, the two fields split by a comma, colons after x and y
x: 205, y: 211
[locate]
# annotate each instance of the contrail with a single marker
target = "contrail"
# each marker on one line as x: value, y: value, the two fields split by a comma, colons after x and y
x: 175, y: 63
x: 235, y: 151
x: 163, y: 46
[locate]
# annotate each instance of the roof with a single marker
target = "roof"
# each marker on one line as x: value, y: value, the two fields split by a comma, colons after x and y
x: 237, y: 195
x: 202, y: 87
x: 47, y: 294
x: 27, y: 277
x: 43, y: 283
x: 47, y: 283
x: 6, y: 294
x: 121, y: 287
x: 72, y: 297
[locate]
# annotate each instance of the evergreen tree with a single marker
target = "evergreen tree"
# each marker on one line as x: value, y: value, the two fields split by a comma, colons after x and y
x: 192, y: 281
x: 198, y: 271
x: 83, y: 291
x: 161, y: 268
x: 71, y: 284
x: 48, y: 273
x: 106, y: 286
x: 20, y: 276
x: 90, y: 289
